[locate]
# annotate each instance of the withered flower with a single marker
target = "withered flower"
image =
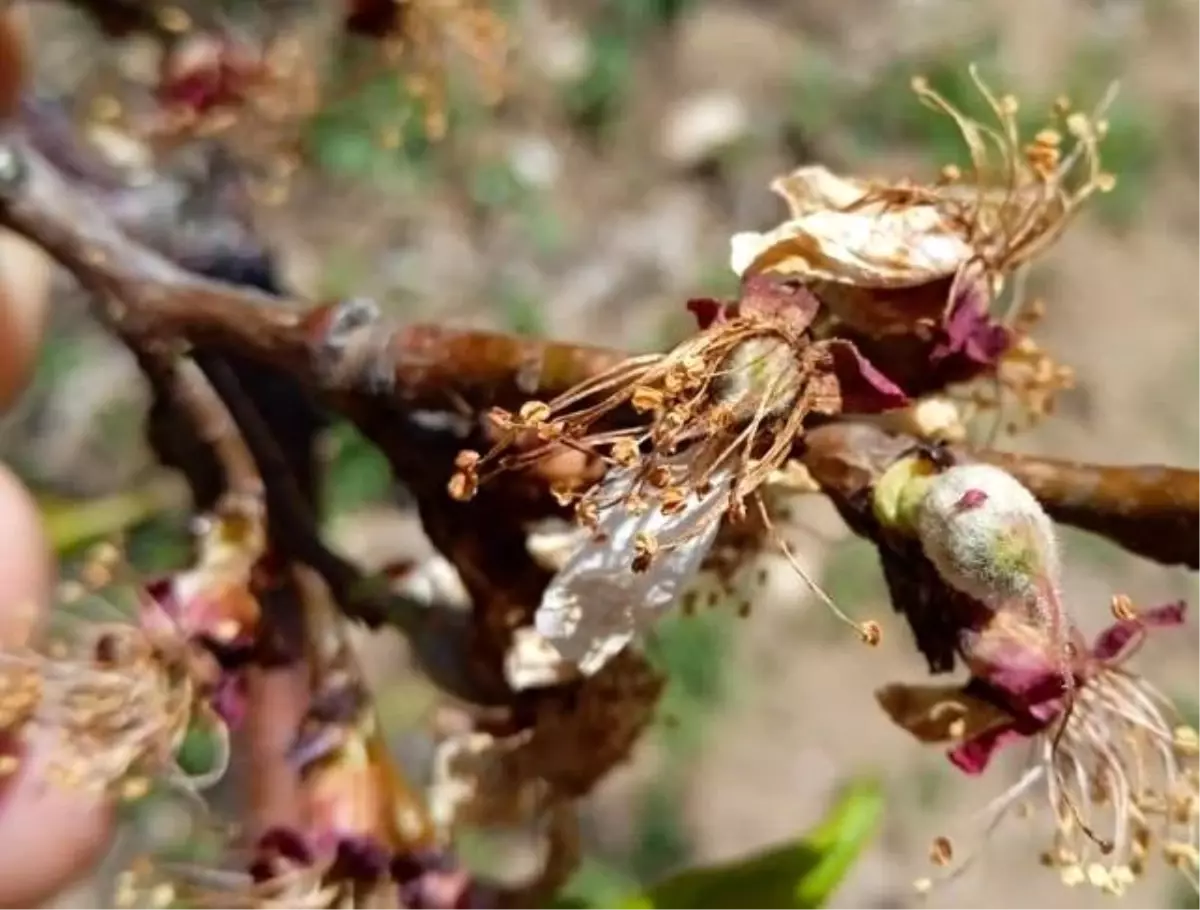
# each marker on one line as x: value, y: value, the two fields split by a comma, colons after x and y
x: 720, y: 414
x: 205, y: 73
x: 211, y: 601
x: 117, y: 704
x: 1116, y: 765
x: 927, y: 260
x: 357, y: 819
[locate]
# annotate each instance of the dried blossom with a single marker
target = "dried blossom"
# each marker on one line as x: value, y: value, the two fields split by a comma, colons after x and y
x: 205, y: 73
x: 1016, y: 201
x: 117, y: 704
x: 211, y: 601
x: 721, y: 414
x: 357, y: 819
x: 1117, y: 766
x: 926, y: 261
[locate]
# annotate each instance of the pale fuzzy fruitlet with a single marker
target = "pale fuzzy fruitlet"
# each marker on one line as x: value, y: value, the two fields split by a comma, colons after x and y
x: 989, y: 537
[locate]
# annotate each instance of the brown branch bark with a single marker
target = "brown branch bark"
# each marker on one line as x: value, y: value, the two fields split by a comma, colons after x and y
x: 1150, y: 510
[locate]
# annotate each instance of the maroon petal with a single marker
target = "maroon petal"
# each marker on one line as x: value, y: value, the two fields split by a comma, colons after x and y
x: 968, y: 342
x: 973, y: 755
x: 287, y: 843
x: 764, y: 295
x: 372, y: 18
x: 707, y: 311
x: 1114, y: 642
x: 865, y: 390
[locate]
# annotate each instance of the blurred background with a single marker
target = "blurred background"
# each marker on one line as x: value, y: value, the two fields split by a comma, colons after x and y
x: 633, y: 138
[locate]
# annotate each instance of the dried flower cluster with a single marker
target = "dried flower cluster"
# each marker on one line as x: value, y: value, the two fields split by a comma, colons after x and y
x: 121, y: 694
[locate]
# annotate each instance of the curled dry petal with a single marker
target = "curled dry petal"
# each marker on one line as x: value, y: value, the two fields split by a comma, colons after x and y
x: 968, y: 342
x: 898, y: 248
x: 596, y: 604
x: 532, y: 662
x: 863, y: 388
x: 939, y: 714
x: 815, y: 188
x: 1114, y: 643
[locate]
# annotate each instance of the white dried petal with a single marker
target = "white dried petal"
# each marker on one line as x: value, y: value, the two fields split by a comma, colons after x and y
x: 433, y: 581
x: 475, y: 780
x: 531, y: 662
x: 551, y: 548
x: 898, y: 248
x: 816, y: 188
x: 596, y: 604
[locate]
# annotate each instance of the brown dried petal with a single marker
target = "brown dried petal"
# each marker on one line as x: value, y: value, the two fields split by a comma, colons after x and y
x: 938, y: 714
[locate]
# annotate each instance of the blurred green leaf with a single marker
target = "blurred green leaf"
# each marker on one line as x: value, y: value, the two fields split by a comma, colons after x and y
x: 802, y: 874
x: 199, y: 752
x: 71, y: 524
x: 358, y: 473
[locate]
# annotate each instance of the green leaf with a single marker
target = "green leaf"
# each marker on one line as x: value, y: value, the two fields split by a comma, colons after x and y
x: 802, y: 874
x: 72, y: 524
x: 358, y: 473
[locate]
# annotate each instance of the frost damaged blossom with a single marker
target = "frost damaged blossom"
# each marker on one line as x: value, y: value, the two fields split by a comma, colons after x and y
x: 361, y: 832
x: 1117, y: 767
x: 719, y: 415
x: 634, y: 567
x: 892, y: 257
x: 118, y: 705
x: 211, y: 601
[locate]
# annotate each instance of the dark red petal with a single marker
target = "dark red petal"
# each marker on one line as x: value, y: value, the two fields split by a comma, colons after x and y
x: 968, y: 342
x: 1112, y: 643
x: 706, y: 310
x: 864, y: 389
x: 289, y: 843
x: 359, y: 859
x: 972, y: 756
x: 373, y: 18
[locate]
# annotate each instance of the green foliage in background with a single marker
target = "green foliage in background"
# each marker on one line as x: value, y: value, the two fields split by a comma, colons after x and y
x: 595, y: 99
x: 357, y: 473
x: 803, y: 873
x: 692, y: 652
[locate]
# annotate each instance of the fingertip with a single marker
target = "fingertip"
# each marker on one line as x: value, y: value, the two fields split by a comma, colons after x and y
x: 51, y: 835
x: 25, y: 276
x: 26, y: 563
